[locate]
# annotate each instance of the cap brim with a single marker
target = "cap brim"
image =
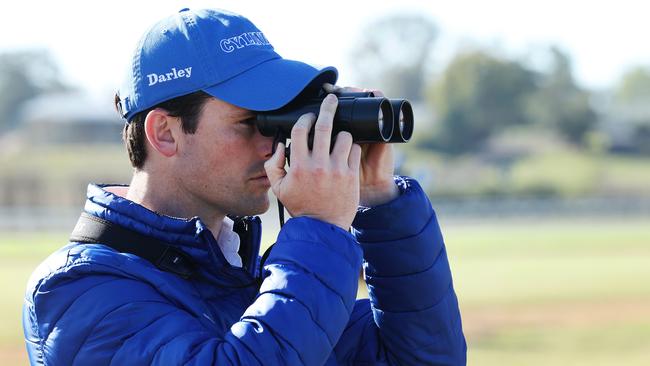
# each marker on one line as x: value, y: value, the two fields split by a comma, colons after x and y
x: 271, y: 84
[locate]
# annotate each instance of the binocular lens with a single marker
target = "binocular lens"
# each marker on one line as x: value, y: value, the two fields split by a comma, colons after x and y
x: 406, y: 121
x: 380, y: 120
x: 385, y: 126
x: 403, y: 119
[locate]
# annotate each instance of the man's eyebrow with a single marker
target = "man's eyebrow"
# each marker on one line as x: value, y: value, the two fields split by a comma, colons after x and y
x: 242, y: 115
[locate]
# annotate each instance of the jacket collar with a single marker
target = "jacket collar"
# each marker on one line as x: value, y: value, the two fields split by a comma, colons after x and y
x: 189, y: 235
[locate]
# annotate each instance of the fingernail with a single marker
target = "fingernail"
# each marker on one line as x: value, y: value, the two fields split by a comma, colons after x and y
x: 331, y: 87
x: 331, y: 98
x: 309, y: 118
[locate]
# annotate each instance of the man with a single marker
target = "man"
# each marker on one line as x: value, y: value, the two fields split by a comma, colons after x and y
x: 196, y: 80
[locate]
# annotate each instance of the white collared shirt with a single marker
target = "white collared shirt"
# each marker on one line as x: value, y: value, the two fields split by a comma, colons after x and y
x: 228, y: 241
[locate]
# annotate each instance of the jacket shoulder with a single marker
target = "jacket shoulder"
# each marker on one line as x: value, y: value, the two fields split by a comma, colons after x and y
x: 76, y: 259
x: 74, y: 289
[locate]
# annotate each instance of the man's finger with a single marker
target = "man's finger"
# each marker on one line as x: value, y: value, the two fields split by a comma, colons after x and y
x: 354, y: 161
x: 299, y: 134
x: 274, y: 167
x: 331, y: 88
x: 323, y: 128
x: 341, y: 151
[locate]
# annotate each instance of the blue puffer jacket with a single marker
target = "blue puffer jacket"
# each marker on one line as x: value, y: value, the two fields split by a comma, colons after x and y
x: 90, y: 305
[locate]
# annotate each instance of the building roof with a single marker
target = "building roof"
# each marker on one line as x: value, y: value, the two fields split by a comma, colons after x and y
x: 68, y: 107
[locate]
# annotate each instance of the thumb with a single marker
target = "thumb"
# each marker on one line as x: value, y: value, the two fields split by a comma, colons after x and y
x: 275, y: 166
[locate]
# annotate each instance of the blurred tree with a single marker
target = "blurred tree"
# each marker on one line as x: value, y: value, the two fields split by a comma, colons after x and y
x: 634, y: 86
x: 392, y: 55
x: 479, y: 94
x: 560, y: 103
x: 24, y: 75
x: 631, y: 109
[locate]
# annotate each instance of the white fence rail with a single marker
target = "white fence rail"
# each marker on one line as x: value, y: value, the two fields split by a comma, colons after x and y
x: 64, y: 218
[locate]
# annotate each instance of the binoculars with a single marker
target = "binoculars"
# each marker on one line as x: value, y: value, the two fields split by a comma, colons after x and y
x: 368, y: 118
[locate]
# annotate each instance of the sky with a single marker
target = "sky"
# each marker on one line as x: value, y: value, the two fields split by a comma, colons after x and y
x: 93, y: 41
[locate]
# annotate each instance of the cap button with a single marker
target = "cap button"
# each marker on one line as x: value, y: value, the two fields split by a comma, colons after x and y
x: 184, y: 9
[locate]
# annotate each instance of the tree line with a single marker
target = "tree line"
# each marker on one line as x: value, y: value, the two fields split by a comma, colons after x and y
x: 481, y: 93
x: 476, y: 96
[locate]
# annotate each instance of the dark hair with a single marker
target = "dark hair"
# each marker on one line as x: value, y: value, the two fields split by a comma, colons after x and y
x: 187, y: 107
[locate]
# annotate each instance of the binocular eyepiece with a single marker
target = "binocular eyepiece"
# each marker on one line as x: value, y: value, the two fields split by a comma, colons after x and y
x: 368, y: 118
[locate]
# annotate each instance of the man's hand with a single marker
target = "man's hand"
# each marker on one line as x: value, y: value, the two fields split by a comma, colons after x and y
x: 318, y: 184
x: 377, y: 163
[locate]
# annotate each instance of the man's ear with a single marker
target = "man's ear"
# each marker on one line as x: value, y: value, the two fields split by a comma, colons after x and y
x: 162, y: 130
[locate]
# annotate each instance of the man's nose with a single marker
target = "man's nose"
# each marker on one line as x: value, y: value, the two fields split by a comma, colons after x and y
x: 264, y: 145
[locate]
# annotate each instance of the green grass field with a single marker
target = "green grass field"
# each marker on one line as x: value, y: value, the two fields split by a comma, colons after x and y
x: 546, y: 292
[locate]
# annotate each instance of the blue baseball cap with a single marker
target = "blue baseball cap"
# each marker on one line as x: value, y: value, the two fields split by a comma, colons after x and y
x: 218, y: 52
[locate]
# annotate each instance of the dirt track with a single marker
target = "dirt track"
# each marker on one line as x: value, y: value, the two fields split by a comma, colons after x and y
x: 484, y: 321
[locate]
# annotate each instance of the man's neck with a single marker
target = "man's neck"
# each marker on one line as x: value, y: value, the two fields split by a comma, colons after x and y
x: 164, y: 198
